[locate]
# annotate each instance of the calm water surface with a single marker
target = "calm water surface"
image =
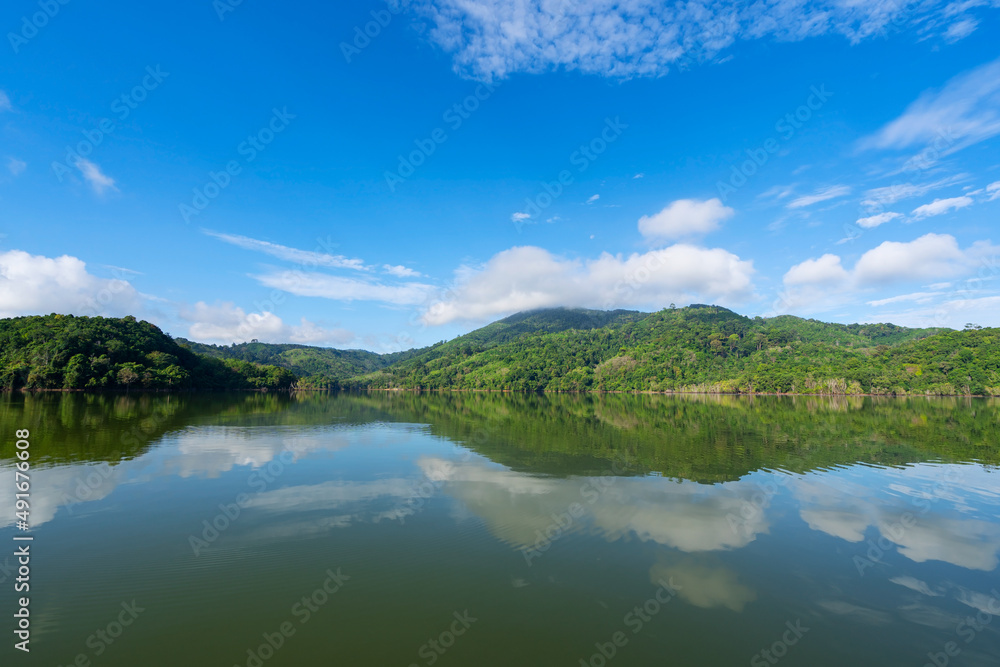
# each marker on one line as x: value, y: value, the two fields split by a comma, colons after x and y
x: 506, y: 530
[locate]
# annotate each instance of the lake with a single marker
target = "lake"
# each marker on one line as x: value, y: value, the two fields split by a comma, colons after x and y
x: 480, y: 529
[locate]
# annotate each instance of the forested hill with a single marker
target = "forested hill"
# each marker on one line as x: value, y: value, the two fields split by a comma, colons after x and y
x: 710, y: 349
x: 697, y: 348
x: 95, y: 353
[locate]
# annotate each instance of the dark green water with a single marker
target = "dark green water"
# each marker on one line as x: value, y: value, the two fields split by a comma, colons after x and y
x: 505, y: 530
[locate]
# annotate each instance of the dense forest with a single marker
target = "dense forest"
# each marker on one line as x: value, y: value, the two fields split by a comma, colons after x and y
x: 709, y: 349
x: 99, y: 353
x: 694, y: 349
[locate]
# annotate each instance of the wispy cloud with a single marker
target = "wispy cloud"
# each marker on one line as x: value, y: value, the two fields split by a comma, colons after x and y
x: 307, y: 258
x: 401, y: 271
x: 964, y: 112
x: 98, y: 180
x: 941, y: 206
x: 340, y: 288
x: 890, y: 194
x: 4, y: 102
x: 876, y: 220
x: 919, y: 297
x: 824, y: 194
x: 593, y: 198
x: 16, y: 167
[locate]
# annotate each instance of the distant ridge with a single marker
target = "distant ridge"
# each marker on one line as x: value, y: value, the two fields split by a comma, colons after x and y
x: 699, y: 348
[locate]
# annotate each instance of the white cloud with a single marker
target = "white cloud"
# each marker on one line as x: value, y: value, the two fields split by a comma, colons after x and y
x: 825, y: 270
x: 816, y: 285
x: 876, y: 220
x: 4, y: 102
x: 16, y: 167
x: 307, y: 258
x: 831, y: 192
x: 593, y: 198
x: 98, y: 180
x: 491, y: 39
x: 961, y: 29
x: 685, y: 217
x: 964, y: 112
x: 890, y: 194
x: 993, y: 190
x: 931, y: 256
x: 527, y: 277
x: 919, y: 297
x: 519, y: 216
x: 38, y: 285
x: 639, y: 175
x: 401, y: 271
x: 226, y: 323
x: 345, y: 289
x: 915, y: 584
x: 940, y: 206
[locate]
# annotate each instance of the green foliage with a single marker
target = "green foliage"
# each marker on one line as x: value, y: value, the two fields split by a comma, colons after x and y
x: 320, y: 367
x: 695, y: 349
x: 703, y: 349
x: 56, y: 352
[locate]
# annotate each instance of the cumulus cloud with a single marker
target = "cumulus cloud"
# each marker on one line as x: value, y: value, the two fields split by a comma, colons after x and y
x: 929, y: 257
x: 824, y: 194
x: 226, y: 323
x: 38, y: 285
x: 876, y: 220
x: 491, y: 39
x: 940, y: 206
x: 307, y: 258
x: 964, y: 112
x: 822, y: 283
x: 825, y: 270
x: 99, y: 181
x: 527, y: 277
x: 685, y: 217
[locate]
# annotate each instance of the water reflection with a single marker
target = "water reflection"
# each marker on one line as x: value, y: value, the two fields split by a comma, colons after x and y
x: 875, y: 523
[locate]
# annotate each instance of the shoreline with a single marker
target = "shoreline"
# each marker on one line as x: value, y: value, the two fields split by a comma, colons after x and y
x: 387, y: 390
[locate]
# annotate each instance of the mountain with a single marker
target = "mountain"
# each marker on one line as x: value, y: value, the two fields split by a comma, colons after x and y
x: 303, y: 360
x: 700, y: 348
x: 67, y: 352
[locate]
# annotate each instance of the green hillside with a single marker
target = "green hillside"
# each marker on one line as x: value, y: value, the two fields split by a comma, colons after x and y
x: 67, y: 352
x: 303, y: 360
x: 710, y: 349
x: 695, y: 349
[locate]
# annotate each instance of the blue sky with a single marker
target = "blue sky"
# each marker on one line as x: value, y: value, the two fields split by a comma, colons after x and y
x: 260, y: 171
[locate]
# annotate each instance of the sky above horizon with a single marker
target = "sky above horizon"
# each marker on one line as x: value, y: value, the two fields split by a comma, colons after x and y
x: 386, y: 175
